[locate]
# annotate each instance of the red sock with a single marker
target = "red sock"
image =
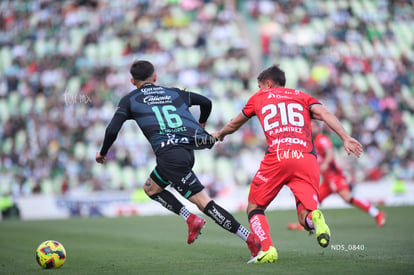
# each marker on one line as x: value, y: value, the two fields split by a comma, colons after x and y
x: 361, y: 204
x: 258, y: 224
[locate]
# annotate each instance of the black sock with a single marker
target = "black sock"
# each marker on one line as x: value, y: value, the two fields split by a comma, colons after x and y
x: 221, y: 217
x: 168, y: 201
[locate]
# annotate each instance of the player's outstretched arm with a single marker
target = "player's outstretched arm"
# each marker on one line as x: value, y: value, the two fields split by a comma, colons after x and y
x: 231, y: 127
x: 351, y: 145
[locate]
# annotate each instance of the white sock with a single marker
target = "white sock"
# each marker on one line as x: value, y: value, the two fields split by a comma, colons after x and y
x: 185, y: 213
x: 373, y: 211
x: 243, y: 232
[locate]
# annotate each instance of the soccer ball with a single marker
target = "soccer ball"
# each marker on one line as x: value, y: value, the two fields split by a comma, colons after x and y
x: 50, y: 254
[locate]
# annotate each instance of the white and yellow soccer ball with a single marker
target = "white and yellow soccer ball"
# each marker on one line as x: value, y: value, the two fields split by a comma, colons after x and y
x: 50, y: 254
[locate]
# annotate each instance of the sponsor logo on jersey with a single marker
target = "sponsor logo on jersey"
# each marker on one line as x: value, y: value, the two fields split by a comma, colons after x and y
x: 153, y: 99
x: 153, y: 90
x: 290, y: 141
x: 279, y: 91
x: 290, y: 92
x: 173, y: 140
x: 272, y: 95
x: 288, y: 154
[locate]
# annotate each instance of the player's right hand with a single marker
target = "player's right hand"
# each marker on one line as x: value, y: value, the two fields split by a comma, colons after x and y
x: 99, y: 158
x: 217, y: 136
x: 353, y: 145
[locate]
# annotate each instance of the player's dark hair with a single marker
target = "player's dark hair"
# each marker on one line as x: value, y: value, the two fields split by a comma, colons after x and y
x: 273, y: 73
x: 141, y: 69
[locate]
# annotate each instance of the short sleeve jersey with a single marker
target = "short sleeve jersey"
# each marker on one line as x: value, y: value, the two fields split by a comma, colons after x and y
x: 285, y: 118
x: 164, y: 117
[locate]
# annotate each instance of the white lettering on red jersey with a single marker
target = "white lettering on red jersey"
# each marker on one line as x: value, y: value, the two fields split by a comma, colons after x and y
x: 285, y: 117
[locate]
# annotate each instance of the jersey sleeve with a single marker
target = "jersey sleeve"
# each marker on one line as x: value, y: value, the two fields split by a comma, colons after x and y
x: 205, y: 106
x: 310, y: 100
x: 124, y: 107
x: 111, y: 132
x: 191, y: 99
x: 249, y: 109
x: 185, y: 95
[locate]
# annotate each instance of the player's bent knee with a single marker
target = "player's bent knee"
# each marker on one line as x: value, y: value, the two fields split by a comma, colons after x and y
x: 151, y: 188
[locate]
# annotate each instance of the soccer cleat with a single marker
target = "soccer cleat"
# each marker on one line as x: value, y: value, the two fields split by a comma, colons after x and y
x: 269, y: 256
x: 195, y: 224
x: 253, y: 243
x: 380, y: 219
x: 322, y: 230
x: 295, y: 226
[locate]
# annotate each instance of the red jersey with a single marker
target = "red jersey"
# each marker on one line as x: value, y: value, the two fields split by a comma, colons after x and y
x: 285, y: 118
x: 321, y: 143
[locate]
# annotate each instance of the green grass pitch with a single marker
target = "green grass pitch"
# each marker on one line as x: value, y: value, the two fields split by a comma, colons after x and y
x: 157, y: 245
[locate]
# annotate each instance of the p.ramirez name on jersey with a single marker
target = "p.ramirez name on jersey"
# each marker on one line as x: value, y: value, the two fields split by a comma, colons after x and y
x: 286, y: 129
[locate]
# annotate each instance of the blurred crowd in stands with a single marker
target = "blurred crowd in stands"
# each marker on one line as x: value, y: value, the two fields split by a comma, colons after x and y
x: 65, y: 65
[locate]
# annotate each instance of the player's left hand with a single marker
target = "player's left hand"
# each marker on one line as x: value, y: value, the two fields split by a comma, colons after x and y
x: 99, y: 158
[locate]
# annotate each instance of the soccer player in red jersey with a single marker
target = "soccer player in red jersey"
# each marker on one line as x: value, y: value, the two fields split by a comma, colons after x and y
x: 285, y: 116
x: 334, y: 180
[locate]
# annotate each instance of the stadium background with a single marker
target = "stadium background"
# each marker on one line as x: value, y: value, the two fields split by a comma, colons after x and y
x: 64, y: 67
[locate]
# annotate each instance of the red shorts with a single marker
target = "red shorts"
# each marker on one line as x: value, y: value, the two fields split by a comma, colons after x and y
x: 332, y: 182
x: 298, y: 171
